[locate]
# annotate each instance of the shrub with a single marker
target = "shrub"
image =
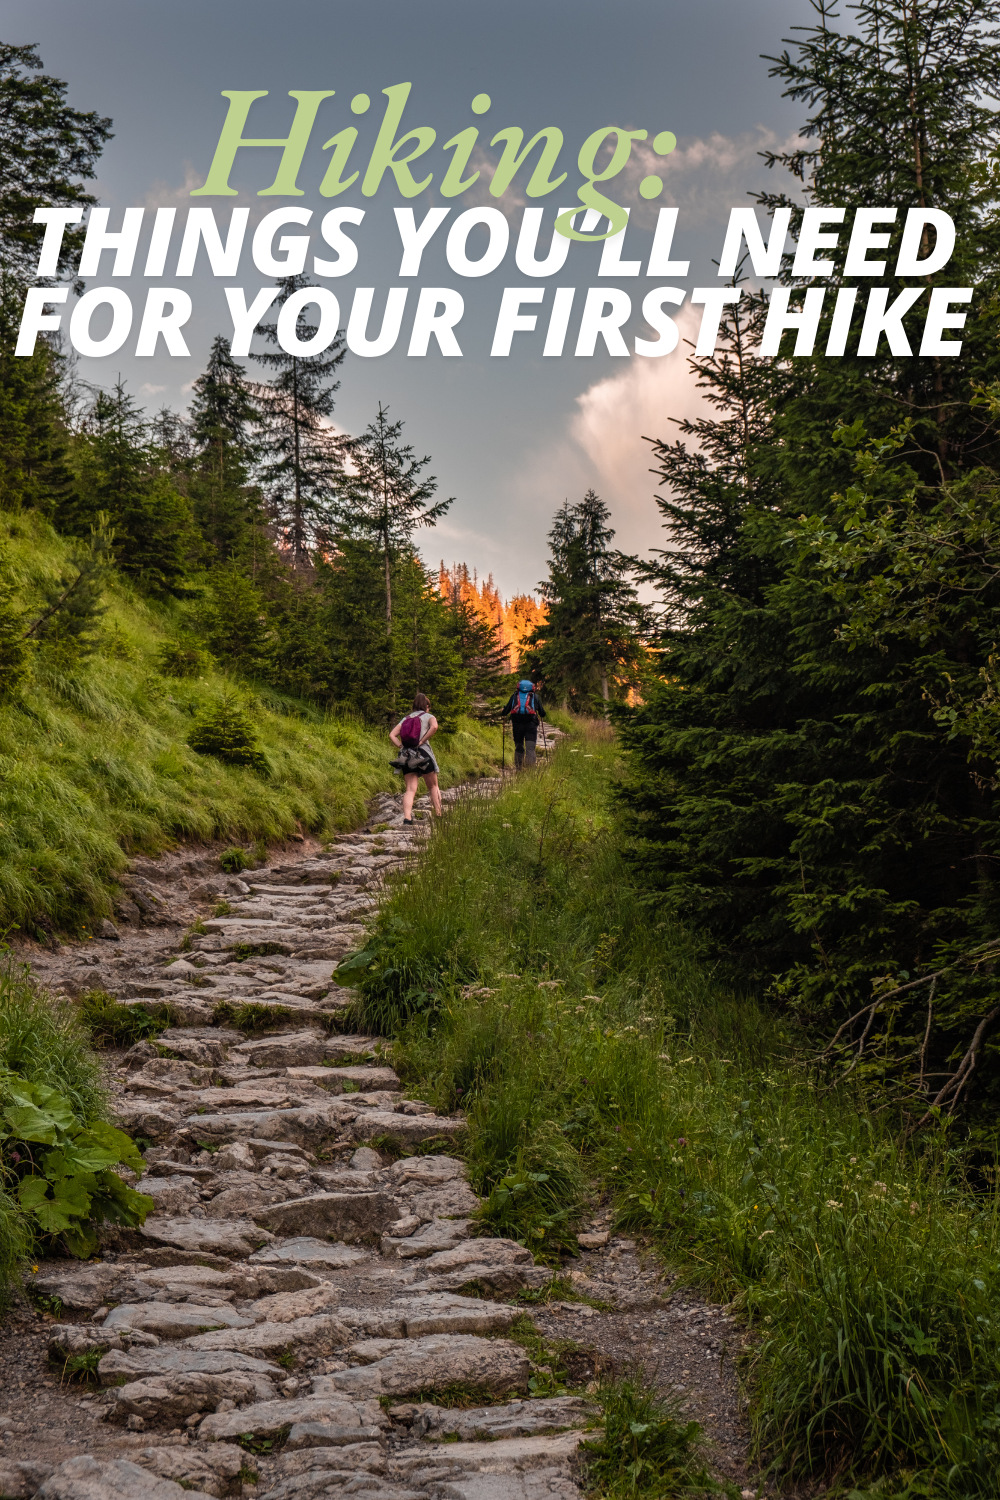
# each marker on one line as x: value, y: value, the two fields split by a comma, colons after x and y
x: 182, y: 659
x: 235, y: 860
x: 226, y: 732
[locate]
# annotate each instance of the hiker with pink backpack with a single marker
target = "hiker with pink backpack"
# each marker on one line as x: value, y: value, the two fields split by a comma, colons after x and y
x: 416, y: 758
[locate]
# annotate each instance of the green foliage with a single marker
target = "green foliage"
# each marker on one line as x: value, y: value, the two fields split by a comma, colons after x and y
x: 73, y: 607
x: 13, y: 652
x: 67, y: 1188
x: 532, y: 1206
x: 587, y: 650
x: 227, y: 732
x: 45, y: 1042
x: 182, y: 659
x: 811, y: 792
x: 868, y: 1271
x: 48, y: 151
x: 234, y: 860
x: 646, y: 1448
x: 113, y: 1025
x: 251, y: 1019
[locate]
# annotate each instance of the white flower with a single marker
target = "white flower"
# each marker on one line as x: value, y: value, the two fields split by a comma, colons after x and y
x: 832, y: 1203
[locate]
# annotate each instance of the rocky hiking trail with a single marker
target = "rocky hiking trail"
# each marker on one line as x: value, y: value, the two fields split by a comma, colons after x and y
x: 308, y: 1311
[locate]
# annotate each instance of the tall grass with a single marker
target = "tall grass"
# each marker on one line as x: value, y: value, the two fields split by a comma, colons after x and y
x: 526, y: 981
x: 95, y: 764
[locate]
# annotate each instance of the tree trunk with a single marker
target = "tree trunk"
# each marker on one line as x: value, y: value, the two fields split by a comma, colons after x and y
x: 604, y: 683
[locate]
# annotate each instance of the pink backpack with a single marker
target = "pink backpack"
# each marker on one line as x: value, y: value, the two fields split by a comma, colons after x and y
x: 411, y: 730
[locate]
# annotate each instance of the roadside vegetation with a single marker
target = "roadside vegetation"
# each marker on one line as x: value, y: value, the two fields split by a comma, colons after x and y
x: 527, y: 982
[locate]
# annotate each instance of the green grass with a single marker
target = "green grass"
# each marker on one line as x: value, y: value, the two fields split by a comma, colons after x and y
x: 646, y: 1449
x: 95, y: 761
x: 527, y: 982
x: 112, y: 1025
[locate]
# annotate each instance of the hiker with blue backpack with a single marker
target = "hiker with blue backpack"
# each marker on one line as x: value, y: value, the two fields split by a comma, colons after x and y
x: 416, y: 758
x: 525, y: 711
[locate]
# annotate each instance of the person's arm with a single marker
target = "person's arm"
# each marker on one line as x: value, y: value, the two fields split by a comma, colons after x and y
x: 394, y: 736
x: 431, y: 729
x: 508, y: 708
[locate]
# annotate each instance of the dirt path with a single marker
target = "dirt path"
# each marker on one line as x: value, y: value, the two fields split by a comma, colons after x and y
x: 305, y: 1314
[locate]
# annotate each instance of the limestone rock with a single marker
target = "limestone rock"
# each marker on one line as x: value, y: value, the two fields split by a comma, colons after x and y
x: 285, y: 1306
x: 169, y: 1399
x: 289, y: 1049
x: 268, y: 1418
x: 406, y: 1130
x: 235, y: 1238
x: 480, y: 1252
x: 335, y: 1079
x: 348, y: 1217
x: 171, y: 1195
x: 20, y: 1478
x: 180, y: 1359
x: 167, y: 1320
x: 318, y: 1335
x: 86, y: 1478
x: 312, y: 1127
x: 425, y: 1171
x: 213, y: 1472
x: 142, y: 1117
x: 306, y: 1250
x: 437, y: 1236
x: 444, y: 1313
x: 514, y: 1419
x: 80, y: 1288
x: 327, y: 1435
x: 493, y: 1365
x: 454, y: 1200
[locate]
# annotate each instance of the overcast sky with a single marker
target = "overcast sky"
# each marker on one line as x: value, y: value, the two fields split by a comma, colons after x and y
x: 510, y: 437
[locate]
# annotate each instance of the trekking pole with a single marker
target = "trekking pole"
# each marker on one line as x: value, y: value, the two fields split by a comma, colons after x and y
x: 503, y: 743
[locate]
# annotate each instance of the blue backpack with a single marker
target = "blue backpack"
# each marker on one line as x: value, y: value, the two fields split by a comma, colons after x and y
x: 523, y: 701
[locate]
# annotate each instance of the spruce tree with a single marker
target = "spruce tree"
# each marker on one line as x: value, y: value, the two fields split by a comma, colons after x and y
x: 386, y: 497
x: 797, y: 798
x: 300, y: 464
x: 122, y: 472
x: 223, y: 415
x: 588, y: 648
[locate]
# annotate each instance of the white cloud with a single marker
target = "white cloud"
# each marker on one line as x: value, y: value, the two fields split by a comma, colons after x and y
x: 152, y: 390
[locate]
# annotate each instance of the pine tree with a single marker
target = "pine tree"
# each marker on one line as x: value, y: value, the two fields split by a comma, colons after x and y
x: 798, y: 800
x: 47, y: 151
x: 121, y: 472
x: 73, y: 604
x: 386, y: 496
x: 588, y: 649
x: 225, y: 503
x: 300, y: 466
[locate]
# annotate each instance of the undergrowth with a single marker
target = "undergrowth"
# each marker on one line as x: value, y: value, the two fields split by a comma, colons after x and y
x: 95, y: 759
x: 526, y: 983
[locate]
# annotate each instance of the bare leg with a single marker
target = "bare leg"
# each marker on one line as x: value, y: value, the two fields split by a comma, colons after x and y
x: 411, y: 791
x: 431, y: 783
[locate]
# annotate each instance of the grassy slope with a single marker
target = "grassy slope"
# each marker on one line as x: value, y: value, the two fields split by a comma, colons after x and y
x: 870, y: 1274
x: 94, y: 762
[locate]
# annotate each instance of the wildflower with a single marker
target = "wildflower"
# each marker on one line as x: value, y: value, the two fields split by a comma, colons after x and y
x: 854, y: 1161
x: 914, y: 1208
x: 580, y: 1010
x: 880, y: 1187
x: 832, y: 1203
x: 681, y: 1140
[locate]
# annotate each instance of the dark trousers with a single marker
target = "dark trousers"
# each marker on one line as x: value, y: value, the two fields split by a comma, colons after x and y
x: 525, y: 732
